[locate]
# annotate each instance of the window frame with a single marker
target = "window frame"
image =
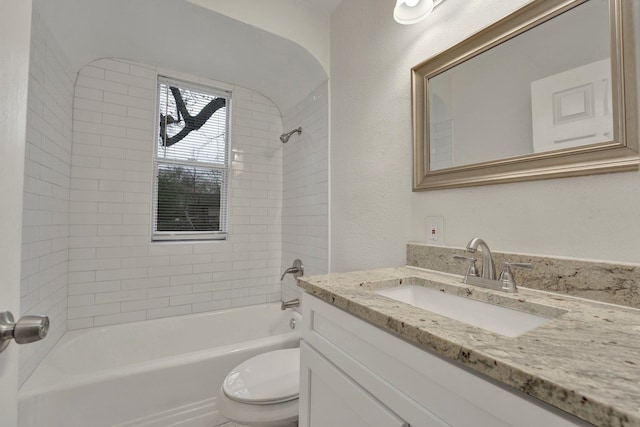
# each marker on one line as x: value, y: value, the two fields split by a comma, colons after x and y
x: 225, y: 167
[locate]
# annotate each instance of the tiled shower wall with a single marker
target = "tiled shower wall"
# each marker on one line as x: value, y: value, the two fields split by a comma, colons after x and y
x: 116, y: 274
x: 305, y: 189
x: 45, y: 225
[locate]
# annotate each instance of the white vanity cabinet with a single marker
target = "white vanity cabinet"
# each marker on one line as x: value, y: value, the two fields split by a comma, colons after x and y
x: 355, y: 374
x: 337, y: 399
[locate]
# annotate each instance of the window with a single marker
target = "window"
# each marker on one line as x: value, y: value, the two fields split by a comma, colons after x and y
x: 191, y: 162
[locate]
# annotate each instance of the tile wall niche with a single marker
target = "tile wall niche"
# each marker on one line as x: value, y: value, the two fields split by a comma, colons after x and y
x: 116, y: 275
x: 45, y: 224
x: 305, y: 189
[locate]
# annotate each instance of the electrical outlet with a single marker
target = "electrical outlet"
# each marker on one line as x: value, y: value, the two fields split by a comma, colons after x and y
x: 435, y: 230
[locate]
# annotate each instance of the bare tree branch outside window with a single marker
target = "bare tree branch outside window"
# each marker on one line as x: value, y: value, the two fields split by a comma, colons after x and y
x: 191, y: 161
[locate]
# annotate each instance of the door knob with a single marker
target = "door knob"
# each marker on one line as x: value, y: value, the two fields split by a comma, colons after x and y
x: 27, y: 329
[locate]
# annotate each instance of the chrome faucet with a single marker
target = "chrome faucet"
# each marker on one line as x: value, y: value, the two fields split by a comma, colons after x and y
x: 487, y: 277
x: 290, y: 304
x: 297, y: 270
x: 488, y: 267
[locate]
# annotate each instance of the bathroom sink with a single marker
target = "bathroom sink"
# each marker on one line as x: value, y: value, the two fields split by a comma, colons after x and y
x: 502, y: 320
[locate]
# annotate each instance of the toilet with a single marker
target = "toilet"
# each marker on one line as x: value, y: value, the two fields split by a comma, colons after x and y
x: 263, y: 391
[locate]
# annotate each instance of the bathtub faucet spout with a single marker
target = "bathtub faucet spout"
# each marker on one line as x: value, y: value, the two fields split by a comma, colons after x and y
x: 290, y: 304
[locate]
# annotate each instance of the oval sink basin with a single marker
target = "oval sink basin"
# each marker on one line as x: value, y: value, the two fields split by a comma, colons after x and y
x: 501, y: 320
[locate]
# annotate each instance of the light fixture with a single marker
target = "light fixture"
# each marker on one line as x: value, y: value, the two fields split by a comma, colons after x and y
x: 411, y: 11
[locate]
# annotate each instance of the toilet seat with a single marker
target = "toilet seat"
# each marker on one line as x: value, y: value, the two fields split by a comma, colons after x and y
x: 266, y: 379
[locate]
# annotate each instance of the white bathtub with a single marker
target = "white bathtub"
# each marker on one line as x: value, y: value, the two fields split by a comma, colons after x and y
x: 163, y: 372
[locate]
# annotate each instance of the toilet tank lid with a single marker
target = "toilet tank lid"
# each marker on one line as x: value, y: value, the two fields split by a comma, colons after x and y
x: 267, y: 378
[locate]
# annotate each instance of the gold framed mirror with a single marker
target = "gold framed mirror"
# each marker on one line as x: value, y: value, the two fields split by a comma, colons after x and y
x: 548, y: 91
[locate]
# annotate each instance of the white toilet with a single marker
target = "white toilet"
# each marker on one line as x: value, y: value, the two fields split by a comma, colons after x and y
x: 263, y: 391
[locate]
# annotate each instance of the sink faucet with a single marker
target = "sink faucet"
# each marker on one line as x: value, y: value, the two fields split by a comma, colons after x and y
x: 487, y: 278
x: 488, y: 267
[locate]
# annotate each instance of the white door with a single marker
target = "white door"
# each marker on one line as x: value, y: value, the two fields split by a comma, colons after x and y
x: 15, y: 36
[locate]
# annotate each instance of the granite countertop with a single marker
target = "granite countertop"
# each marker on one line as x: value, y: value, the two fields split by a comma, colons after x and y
x: 586, y: 361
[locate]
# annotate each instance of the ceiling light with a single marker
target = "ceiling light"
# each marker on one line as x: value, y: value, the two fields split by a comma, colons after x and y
x: 411, y: 11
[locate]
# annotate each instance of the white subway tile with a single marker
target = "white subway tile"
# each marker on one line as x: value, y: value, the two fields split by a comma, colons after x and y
x: 138, y: 92
x: 145, y: 261
x: 112, y: 64
x: 146, y: 283
x: 109, y: 297
x: 127, y: 122
x: 169, y: 291
x: 94, y: 264
x: 126, y: 100
x: 211, y: 305
x: 80, y: 300
x: 99, y: 129
x: 86, y: 93
x: 190, y: 259
x: 191, y: 279
x: 99, y: 106
x: 168, y: 312
x: 145, y: 304
x: 113, y: 319
x: 100, y: 84
x: 121, y: 274
x: 190, y: 299
x: 87, y: 116
x: 143, y: 71
x: 82, y: 323
x: 130, y: 80
x: 92, y: 310
x: 122, y: 230
x: 171, y: 270
x: 250, y: 300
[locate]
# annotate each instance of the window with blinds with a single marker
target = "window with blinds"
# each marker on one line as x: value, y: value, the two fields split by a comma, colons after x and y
x: 191, y: 162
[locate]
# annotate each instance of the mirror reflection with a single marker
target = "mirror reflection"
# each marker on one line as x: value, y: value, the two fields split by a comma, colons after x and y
x: 547, y: 89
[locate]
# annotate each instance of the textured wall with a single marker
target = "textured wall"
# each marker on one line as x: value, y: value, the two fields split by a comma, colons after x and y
x: 305, y: 228
x: 374, y: 213
x: 46, y: 191
x: 115, y: 274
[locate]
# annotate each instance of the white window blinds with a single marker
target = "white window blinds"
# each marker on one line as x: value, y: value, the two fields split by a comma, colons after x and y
x: 191, y: 162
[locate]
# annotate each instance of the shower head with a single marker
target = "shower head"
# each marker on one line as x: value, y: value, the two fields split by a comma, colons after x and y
x: 285, y: 136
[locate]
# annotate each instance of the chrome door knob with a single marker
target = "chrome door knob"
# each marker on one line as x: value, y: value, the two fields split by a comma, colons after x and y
x: 31, y: 328
x: 27, y: 329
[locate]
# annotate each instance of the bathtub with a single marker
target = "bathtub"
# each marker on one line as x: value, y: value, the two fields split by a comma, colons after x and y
x: 153, y: 373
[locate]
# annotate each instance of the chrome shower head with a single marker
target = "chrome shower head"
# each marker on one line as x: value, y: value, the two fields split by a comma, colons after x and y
x: 285, y: 136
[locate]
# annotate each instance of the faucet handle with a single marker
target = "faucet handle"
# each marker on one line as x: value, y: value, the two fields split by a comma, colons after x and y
x: 472, y: 270
x: 526, y: 265
x: 506, y: 276
x: 297, y: 269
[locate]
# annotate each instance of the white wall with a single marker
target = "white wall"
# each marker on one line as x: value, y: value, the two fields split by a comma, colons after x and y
x: 291, y: 19
x: 374, y: 213
x: 115, y: 274
x: 305, y: 228
x: 46, y: 191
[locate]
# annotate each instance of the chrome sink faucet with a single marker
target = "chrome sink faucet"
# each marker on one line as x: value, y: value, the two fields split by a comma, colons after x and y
x: 488, y: 267
x: 487, y: 277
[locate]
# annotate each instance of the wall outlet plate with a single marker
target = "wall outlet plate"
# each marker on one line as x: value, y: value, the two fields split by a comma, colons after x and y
x: 435, y: 230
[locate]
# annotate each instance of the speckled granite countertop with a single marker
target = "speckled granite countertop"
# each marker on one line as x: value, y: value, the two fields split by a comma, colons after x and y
x: 586, y: 361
